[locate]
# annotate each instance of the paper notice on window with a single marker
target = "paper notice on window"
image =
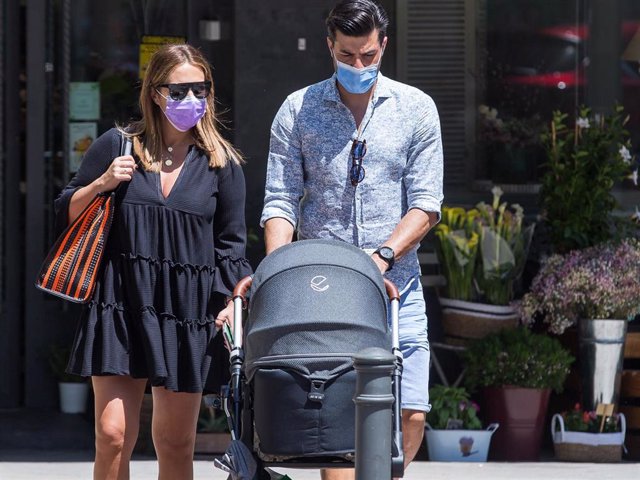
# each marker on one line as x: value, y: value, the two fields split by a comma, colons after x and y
x: 84, y: 100
x: 81, y: 136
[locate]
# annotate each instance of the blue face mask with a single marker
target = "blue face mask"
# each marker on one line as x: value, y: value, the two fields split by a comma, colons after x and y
x: 356, y: 80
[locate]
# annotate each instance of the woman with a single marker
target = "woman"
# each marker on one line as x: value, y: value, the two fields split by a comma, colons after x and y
x: 175, y: 251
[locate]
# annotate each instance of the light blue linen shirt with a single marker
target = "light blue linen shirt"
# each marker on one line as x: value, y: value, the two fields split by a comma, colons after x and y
x: 308, y: 180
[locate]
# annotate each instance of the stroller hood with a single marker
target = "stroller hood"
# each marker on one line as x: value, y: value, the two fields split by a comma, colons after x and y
x: 316, y: 300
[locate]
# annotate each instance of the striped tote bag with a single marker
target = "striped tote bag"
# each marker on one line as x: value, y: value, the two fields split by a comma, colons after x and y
x: 71, y: 268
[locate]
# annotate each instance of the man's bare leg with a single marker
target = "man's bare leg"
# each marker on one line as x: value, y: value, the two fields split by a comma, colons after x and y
x: 412, y: 435
x: 337, y: 474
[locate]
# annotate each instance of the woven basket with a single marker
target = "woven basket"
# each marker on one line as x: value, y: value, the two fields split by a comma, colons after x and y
x: 463, y: 321
x: 586, y: 447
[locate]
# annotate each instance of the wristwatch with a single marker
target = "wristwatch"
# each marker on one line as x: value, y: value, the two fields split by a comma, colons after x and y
x: 387, y: 254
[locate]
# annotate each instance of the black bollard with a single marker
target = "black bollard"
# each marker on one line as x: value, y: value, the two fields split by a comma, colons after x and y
x: 374, y: 400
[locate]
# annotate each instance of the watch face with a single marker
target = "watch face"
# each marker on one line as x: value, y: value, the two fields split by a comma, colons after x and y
x: 386, y: 252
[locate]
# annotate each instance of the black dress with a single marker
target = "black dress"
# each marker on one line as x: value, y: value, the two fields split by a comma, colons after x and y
x: 169, y: 264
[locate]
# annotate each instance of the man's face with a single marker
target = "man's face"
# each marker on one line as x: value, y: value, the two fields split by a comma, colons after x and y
x: 358, y: 52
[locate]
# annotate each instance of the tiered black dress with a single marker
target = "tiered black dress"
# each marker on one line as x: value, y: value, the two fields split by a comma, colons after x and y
x: 169, y: 264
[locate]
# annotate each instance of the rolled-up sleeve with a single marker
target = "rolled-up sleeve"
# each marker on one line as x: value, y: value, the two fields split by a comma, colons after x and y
x: 423, y: 173
x: 285, y: 179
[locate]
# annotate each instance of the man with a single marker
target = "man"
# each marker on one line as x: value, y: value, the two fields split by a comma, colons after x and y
x: 358, y: 158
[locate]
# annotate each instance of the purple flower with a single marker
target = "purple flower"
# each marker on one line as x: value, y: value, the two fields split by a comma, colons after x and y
x: 596, y: 282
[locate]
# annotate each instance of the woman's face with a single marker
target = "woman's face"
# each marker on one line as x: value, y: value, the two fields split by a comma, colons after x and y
x: 184, y: 73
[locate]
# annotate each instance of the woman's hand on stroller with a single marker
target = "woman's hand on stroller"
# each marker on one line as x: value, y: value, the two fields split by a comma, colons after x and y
x: 225, y: 317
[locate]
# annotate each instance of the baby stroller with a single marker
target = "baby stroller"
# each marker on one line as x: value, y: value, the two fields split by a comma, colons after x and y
x: 313, y: 305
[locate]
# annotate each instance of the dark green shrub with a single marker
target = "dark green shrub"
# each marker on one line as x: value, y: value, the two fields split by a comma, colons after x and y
x: 516, y: 357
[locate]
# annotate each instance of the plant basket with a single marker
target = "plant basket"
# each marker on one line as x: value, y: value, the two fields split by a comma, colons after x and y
x: 463, y: 320
x: 587, y: 447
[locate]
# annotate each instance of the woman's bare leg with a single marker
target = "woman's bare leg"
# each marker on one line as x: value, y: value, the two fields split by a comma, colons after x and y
x: 175, y: 418
x: 117, y: 407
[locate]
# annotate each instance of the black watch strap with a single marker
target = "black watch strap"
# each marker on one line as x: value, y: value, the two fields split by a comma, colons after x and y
x: 387, y: 254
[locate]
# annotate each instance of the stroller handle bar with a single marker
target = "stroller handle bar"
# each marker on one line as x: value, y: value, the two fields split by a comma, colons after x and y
x: 242, y: 286
x: 392, y: 290
x: 239, y: 302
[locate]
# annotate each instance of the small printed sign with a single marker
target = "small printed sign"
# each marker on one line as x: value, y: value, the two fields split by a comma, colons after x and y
x: 81, y: 136
x: 151, y: 44
x: 84, y: 100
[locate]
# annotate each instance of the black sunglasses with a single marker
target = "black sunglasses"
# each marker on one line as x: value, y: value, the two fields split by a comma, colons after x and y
x: 177, y: 91
x: 358, y: 151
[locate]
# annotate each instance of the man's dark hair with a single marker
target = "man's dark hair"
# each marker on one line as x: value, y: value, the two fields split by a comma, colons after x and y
x: 357, y: 18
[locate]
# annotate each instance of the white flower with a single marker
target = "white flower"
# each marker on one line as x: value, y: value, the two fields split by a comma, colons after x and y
x: 582, y: 122
x: 634, y: 177
x: 488, y: 112
x: 518, y: 209
x: 497, y: 193
x: 636, y: 216
x: 626, y: 156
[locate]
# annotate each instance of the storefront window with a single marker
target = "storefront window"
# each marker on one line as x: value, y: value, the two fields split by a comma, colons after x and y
x: 105, y: 61
x: 534, y: 59
x: 532, y: 65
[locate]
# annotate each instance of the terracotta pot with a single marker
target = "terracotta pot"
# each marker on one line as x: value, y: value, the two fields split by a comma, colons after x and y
x: 521, y: 413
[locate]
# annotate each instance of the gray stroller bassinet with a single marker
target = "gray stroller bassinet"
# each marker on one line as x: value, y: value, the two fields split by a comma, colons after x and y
x: 313, y: 305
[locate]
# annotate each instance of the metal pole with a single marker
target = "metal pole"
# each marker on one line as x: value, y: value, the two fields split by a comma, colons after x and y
x: 373, y: 399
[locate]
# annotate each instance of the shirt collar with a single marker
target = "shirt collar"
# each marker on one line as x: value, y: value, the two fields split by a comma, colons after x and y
x: 382, y: 89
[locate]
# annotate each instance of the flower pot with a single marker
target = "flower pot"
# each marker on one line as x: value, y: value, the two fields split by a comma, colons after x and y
x: 463, y: 320
x: 601, y: 353
x: 586, y: 447
x: 459, y: 445
x: 521, y: 414
x: 73, y: 396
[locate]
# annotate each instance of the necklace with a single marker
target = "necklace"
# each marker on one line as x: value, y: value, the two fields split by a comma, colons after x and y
x: 168, y: 160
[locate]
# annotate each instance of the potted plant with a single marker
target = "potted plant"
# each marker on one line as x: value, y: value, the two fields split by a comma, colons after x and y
x: 482, y: 252
x: 584, y: 436
x: 511, y: 145
x: 596, y: 282
x: 212, y: 435
x: 597, y: 289
x: 585, y: 159
x: 454, y: 431
x: 73, y: 389
x: 516, y: 370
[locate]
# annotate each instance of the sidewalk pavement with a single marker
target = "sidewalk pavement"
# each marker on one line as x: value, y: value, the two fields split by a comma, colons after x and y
x: 46, y: 445
x: 27, y: 464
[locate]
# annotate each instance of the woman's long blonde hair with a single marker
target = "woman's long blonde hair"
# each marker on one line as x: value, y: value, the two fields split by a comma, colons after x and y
x: 148, y: 144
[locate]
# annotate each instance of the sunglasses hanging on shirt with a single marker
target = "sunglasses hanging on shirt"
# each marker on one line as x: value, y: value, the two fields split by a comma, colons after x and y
x: 358, y: 151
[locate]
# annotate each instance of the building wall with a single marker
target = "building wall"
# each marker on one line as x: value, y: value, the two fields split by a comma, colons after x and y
x: 268, y: 67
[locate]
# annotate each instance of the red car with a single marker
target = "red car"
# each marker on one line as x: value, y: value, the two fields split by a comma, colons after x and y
x: 536, y: 73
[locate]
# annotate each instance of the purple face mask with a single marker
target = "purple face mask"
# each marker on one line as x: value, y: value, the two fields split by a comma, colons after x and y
x: 186, y: 113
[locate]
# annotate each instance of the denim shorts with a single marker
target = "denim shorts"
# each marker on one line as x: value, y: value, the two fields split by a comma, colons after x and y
x: 414, y: 345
